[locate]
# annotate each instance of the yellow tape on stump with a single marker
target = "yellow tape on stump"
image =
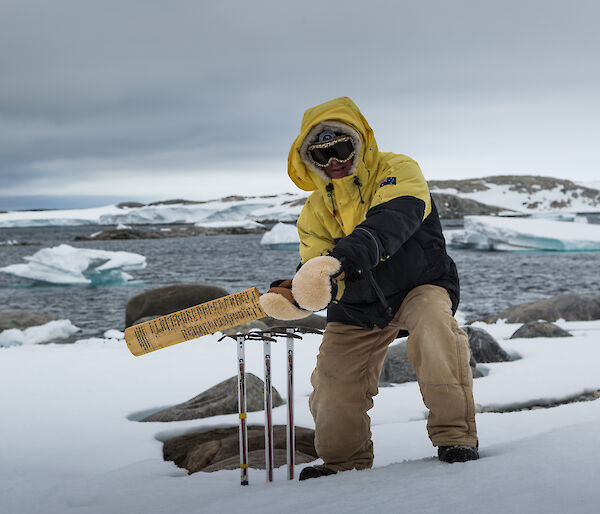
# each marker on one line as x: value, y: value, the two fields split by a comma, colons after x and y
x: 197, y: 321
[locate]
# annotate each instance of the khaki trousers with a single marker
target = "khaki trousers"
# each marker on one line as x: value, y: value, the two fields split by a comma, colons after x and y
x: 347, y: 375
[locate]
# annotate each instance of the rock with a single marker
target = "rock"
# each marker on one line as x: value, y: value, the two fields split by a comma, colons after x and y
x: 397, y: 369
x: 219, y: 448
x: 168, y: 299
x: 23, y: 319
x: 484, y: 348
x: 246, y: 327
x: 256, y: 460
x: 540, y: 329
x: 127, y: 233
x: 176, y: 201
x: 129, y: 205
x: 570, y: 307
x: 313, y: 321
x: 219, y: 399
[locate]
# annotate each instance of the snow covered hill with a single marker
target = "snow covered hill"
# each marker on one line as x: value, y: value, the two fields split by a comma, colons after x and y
x: 523, y: 193
x: 455, y: 198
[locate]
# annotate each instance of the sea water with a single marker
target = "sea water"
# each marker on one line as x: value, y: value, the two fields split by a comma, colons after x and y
x: 490, y: 281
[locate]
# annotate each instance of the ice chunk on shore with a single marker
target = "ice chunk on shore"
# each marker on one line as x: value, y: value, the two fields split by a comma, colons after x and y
x: 282, y: 236
x: 51, y: 331
x: 533, y: 234
x: 77, y: 266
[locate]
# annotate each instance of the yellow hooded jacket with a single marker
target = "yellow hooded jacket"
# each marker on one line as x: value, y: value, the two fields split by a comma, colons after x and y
x: 367, y: 217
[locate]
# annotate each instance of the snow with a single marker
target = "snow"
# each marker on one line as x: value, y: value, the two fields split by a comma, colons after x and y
x: 526, y: 234
x: 541, y: 200
x: 67, y: 265
x: 51, y: 331
x: 75, y: 448
x: 282, y: 236
x: 278, y: 207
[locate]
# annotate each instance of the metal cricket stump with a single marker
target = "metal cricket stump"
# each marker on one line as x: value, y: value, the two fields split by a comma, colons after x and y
x: 268, y: 337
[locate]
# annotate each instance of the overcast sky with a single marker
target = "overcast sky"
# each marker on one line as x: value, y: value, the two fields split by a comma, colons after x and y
x: 196, y: 99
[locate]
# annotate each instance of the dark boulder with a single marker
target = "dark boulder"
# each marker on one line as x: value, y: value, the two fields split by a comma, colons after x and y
x: 397, y: 369
x: 219, y: 399
x: 129, y: 205
x: 168, y: 299
x: 570, y: 307
x: 540, y: 329
x: 313, y: 321
x: 484, y: 348
x: 23, y: 319
x: 219, y: 448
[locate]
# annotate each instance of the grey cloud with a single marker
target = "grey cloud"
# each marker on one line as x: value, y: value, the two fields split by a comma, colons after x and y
x: 230, y: 80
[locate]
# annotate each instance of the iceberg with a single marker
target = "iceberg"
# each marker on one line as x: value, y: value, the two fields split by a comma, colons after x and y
x: 67, y: 265
x: 527, y: 234
x: 51, y: 331
x: 466, y: 240
x: 282, y: 236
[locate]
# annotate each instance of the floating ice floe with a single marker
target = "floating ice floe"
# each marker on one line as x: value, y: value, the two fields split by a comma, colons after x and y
x: 282, y: 236
x: 526, y: 234
x: 51, y: 331
x: 77, y: 266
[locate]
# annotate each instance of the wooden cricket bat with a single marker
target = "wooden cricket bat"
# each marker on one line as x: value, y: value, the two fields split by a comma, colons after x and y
x: 200, y: 320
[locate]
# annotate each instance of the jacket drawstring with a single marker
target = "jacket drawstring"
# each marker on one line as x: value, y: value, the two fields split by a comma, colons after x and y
x: 329, y: 189
x: 358, y: 184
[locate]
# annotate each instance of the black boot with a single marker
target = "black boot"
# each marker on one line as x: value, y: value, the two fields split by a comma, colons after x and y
x: 457, y: 453
x: 315, y: 472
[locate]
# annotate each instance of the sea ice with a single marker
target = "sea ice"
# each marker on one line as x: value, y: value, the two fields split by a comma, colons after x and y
x: 282, y: 236
x: 533, y: 234
x: 77, y: 266
x: 51, y: 331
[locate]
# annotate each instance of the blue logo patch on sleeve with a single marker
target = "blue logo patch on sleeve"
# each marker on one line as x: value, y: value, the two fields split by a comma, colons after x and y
x: 390, y: 181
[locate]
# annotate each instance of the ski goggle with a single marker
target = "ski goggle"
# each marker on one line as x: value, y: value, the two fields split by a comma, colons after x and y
x: 341, y: 149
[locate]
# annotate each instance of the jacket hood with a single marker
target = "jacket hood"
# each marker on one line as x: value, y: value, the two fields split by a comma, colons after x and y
x: 334, y: 114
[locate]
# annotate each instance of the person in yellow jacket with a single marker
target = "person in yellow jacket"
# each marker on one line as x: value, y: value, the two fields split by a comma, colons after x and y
x: 372, y: 252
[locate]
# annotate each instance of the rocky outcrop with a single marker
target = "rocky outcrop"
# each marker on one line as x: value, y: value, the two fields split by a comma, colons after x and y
x: 23, y: 319
x: 126, y: 233
x: 455, y: 207
x: 219, y: 449
x: 164, y: 233
x: 168, y: 299
x: 540, y: 329
x: 219, y: 399
x: 570, y: 307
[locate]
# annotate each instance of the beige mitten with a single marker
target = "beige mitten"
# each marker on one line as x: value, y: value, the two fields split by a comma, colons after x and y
x: 312, y: 285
